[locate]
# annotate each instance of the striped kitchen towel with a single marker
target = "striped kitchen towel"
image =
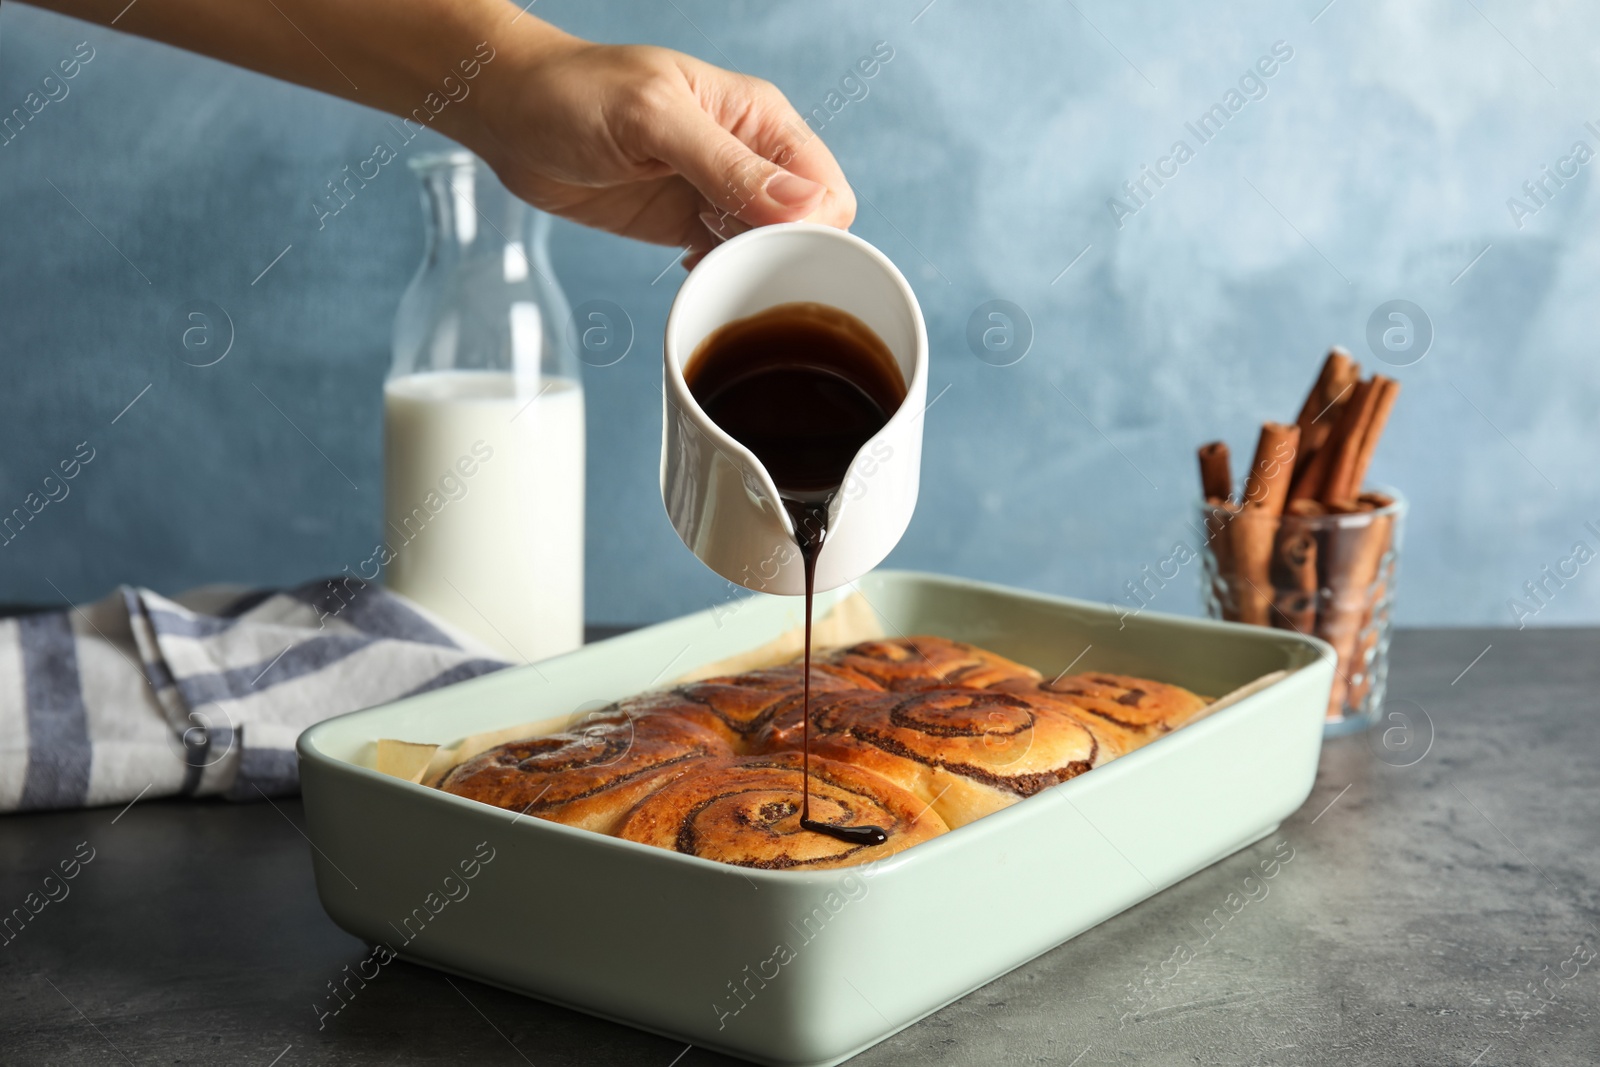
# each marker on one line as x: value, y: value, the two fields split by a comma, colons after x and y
x: 139, y: 696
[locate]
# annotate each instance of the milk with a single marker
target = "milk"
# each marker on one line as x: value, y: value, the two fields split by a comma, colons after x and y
x: 483, y: 505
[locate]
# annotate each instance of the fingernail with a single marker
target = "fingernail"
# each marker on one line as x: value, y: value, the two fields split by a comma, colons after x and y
x: 717, y: 224
x: 791, y: 190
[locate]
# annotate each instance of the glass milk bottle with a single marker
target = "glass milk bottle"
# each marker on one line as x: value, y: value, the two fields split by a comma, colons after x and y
x: 483, y: 423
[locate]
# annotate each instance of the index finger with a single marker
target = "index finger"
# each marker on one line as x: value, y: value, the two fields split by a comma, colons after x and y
x: 762, y: 117
x: 784, y: 137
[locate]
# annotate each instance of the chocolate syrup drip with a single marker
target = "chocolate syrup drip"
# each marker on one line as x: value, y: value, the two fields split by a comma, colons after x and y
x: 804, y: 387
x: 810, y: 531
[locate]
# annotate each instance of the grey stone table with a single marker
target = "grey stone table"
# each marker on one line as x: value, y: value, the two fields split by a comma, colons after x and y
x: 1440, y: 907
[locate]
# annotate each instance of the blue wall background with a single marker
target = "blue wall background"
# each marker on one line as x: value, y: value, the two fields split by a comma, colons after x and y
x: 1377, y: 166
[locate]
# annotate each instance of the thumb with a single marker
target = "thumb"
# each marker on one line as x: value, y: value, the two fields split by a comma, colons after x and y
x: 734, y: 179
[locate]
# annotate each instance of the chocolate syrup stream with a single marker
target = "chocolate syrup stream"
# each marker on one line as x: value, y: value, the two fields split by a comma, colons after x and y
x: 804, y: 387
x: 810, y: 530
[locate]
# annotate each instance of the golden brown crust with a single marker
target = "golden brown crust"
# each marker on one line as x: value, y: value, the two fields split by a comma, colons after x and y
x: 737, y: 706
x: 589, y: 776
x: 747, y: 812
x: 1139, y: 706
x: 916, y: 735
x: 966, y: 752
x: 925, y: 662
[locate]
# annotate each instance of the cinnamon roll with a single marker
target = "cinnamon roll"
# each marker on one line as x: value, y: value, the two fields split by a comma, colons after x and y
x: 737, y: 706
x: 747, y: 812
x: 965, y: 752
x: 924, y: 662
x: 914, y: 736
x: 1139, y: 710
x: 592, y: 775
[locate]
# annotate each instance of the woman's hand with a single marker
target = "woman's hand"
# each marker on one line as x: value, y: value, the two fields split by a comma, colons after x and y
x: 641, y: 141
x: 651, y: 143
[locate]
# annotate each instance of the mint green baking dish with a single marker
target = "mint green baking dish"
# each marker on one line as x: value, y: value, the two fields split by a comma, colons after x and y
x: 807, y: 968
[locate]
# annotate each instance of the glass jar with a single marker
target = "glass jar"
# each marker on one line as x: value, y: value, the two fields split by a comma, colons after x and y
x: 1331, y: 576
x: 484, y: 423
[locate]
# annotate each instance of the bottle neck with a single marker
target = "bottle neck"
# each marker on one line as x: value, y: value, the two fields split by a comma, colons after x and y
x: 485, y: 297
x: 463, y: 225
x: 458, y: 224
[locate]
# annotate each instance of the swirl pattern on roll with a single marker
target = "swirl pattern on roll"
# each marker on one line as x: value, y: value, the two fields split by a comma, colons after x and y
x: 747, y: 812
x: 924, y: 662
x: 740, y: 705
x: 966, y: 752
x: 589, y: 776
x: 1140, y: 708
x: 915, y: 735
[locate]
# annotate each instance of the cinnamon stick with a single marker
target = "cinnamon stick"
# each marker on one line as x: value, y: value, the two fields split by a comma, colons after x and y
x: 1303, y: 547
x: 1251, y: 535
x: 1385, y: 391
x: 1313, y: 481
x: 1297, y: 577
x: 1254, y: 531
x: 1294, y: 577
x: 1266, y: 486
x: 1216, y: 473
x: 1320, y: 413
x: 1338, y: 367
x: 1351, y: 436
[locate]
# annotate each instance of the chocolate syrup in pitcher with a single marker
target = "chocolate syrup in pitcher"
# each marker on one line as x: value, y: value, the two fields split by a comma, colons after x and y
x: 803, y: 387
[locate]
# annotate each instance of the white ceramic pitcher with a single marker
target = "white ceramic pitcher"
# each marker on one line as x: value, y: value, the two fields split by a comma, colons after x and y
x: 721, y: 500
